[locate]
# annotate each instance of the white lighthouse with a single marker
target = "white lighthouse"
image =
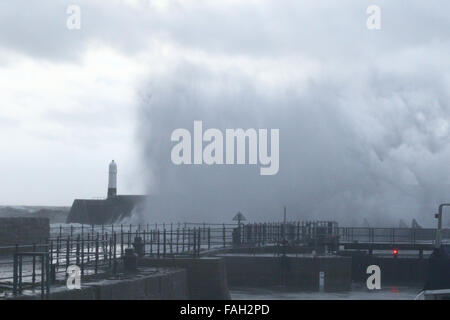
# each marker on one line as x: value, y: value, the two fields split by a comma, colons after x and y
x: 112, y: 180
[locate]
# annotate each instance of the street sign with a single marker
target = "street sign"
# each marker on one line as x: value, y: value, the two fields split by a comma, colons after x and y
x: 239, y: 217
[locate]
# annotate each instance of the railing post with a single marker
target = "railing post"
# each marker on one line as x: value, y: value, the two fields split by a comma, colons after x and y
x: 96, y: 254
x: 43, y: 272
x: 47, y: 274
x: 195, y: 243
x: 67, y: 252
x: 223, y: 234
x: 51, y: 261
x: 121, y: 240
x: 20, y: 274
x: 178, y: 238
x: 199, y: 242
x: 183, y: 236
x: 209, y: 238
x: 88, y: 247
x: 33, y: 275
x: 15, y: 267
x: 152, y: 233
x: 105, y: 246
x: 110, y: 252
x: 68, y: 249
x: 82, y: 256
x: 158, y: 244
x: 115, y: 258
x: 164, y: 245
x: 171, y: 238
x: 77, y: 253
x: 58, y: 248
x: 129, y: 235
x: 144, y: 238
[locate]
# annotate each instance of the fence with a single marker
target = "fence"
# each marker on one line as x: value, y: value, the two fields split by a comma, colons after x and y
x: 299, y: 233
x: 98, y: 249
x: 390, y: 235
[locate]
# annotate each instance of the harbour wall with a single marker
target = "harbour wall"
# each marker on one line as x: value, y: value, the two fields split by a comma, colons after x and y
x: 302, y: 272
x: 206, y: 277
x: 400, y: 270
x: 164, y: 284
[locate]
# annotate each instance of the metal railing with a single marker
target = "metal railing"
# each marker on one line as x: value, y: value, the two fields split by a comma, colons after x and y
x: 98, y: 249
x: 390, y: 235
x: 100, y: 252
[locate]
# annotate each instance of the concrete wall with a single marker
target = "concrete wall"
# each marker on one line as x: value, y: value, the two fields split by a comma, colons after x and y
x: 206, y: 277
x: 23, y: 230
x: 291, y: 271
x: 163, y: 285
x: 393, y: 270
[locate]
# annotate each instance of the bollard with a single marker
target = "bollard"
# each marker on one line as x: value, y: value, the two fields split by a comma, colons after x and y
x: 130, y: 261
x: 138, y: 246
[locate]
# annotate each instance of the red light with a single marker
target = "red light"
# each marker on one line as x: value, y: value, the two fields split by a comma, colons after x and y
x: 395, y: 252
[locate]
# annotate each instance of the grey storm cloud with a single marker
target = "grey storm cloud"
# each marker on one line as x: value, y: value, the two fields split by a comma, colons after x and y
x: 266, y: 28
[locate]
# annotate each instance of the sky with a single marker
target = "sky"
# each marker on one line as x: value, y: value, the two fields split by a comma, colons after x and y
x: 363, y: 114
